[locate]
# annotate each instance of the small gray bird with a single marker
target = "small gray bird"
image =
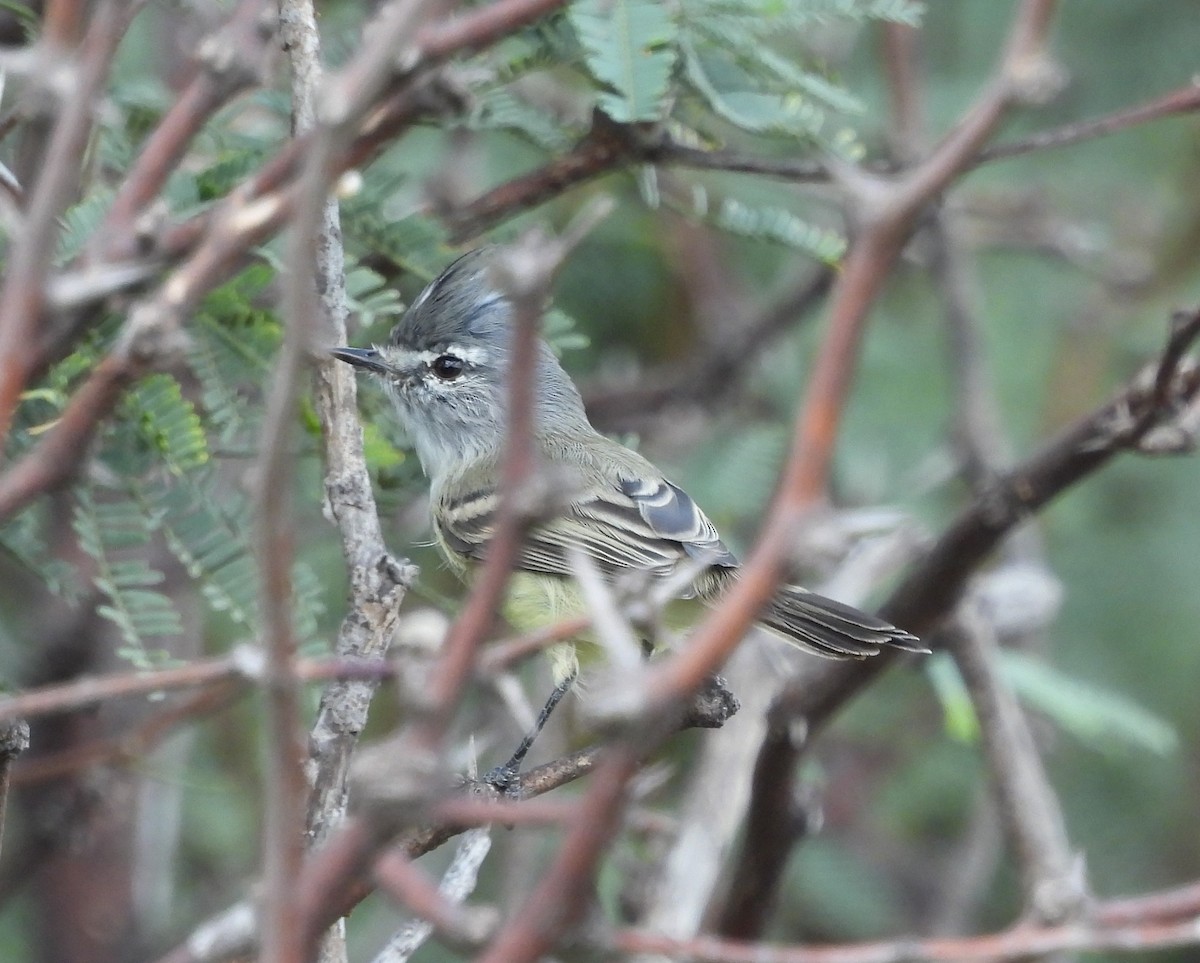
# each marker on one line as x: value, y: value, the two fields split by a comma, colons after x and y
x: 445, y: 367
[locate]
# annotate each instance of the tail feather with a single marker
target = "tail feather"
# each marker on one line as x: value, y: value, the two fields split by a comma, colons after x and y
x: 832, y: 628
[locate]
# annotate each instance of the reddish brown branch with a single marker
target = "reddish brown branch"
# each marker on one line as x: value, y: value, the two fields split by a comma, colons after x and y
x: 1185, y: 100
x: 889, y: 212
x: 560, y: 898
x: 132, y: 746
x: 54, y: 460
x: 81, y: 693
x: 285, y: 787
x: 930, y: 590
x: 1022, y: 942
x: 481, y: 28
x: 31, y: 257
x: 527, y: 291
x: 606, y: 146
x: 397, y: 875
x: 229, y: 61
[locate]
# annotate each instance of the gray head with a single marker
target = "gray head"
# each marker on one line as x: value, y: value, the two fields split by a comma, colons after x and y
x: 445, y: 366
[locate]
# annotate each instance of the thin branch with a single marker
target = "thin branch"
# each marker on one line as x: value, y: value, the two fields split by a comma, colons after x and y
x: 889, y: 211
x: 609, y: 146
x: 82, y: 693
x: 56, y: 458
x: 286, y: 788
x: 132, y: 746
x: 504, y: 653
x: 1022, y: 942
x: 31, y: 256
x: 1184, y: 100
x: 228, y: 61
x: 931, y: 589
x: 524, y: 273
x: 439, y: 907
x: 776, y: 820
x: 560, y: 898
x: 1053, y: 874
x: 718, y: 369
x: 377, y: 581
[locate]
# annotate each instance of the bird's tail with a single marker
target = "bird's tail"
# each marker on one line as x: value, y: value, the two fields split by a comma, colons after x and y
x: 831, y: 628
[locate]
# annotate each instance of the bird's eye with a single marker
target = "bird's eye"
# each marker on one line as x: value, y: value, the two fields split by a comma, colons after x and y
x: 447, y: 366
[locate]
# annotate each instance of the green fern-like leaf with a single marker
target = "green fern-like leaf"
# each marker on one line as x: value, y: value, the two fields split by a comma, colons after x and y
x: 208, y: 538
x: 79, y: 222
x: 22, y: 538
x: 736, y: 96
x: 1104, y: 720
x: 167, y: 423
x: 414, y: 242
x: 782, y: 227
x: 799, y: 14
x: 898, y: 11
x: 106, y: 530
x: 208, y: 535
x: 369, y: 295
x: 501, y: 109
x: 630, y: 48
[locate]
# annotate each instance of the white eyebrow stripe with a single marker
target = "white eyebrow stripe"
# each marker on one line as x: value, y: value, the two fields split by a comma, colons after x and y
x: 472, y: 354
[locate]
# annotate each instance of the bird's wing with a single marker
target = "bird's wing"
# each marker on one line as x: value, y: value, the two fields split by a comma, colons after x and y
x: 645, y: 524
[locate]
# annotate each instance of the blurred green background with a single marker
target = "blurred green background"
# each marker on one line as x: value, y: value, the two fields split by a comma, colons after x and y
x: 1076, y: 259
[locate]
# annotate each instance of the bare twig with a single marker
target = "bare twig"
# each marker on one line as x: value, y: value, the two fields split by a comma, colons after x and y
x: 228, y: 61
x: 1184, y: 100
x: 130, y: 747
x: 714, y: 803
x: 719, y: 367
x: 1022, y: 942
x: 81, y: 693
x: 441, y: 909
x: 525, y: 279
x: 888, y: 212
x: 29, y: 261
x: 1053, y: 874
x: 285, y: 787
x: 54, y: 461
x: 377, y: 581
x: 504, y: 653
x: 929, y: 592
x: 559, y: 900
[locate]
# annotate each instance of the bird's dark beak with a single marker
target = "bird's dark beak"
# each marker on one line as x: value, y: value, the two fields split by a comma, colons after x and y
x: 366, y: 358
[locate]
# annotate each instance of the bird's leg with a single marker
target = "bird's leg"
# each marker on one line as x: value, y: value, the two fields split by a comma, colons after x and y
x: 506, y: 778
